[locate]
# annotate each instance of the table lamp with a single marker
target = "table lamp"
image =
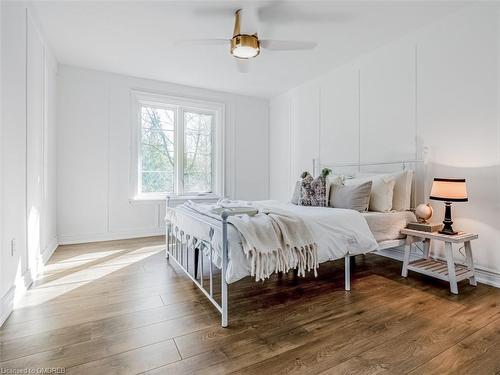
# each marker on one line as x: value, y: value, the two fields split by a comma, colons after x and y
x: 448, y: 190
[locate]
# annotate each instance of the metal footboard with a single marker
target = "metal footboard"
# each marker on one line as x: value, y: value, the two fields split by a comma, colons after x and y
x: 180, y: 246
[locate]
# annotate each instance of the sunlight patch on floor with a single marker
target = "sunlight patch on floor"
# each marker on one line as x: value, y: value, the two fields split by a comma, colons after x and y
x: 81, y: 275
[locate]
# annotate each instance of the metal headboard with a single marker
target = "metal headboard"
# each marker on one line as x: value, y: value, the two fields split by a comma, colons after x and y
x: 417, y: 165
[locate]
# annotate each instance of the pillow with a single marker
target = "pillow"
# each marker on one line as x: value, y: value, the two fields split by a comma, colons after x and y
x: 333, y: 179
x: 320, y: 196
x: 306, y: 191
x: 382, y: 191
x: 401, y: 200
x: 313, y: 191
x: 353, y: 197
x: 296, y: 193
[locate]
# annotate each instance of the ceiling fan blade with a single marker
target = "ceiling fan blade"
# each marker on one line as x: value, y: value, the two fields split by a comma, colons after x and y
x: 243, y: 65
x: 286, y: 45
x: 201, y: 42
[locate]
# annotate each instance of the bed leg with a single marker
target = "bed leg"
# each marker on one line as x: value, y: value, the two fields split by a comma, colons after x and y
x: 167, y: 240
x: 196, y: 261
x: 224, y: 216
x: 347, y: 272
x: 167, y: 249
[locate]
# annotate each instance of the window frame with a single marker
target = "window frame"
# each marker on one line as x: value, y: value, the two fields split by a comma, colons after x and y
x: 180, y: 105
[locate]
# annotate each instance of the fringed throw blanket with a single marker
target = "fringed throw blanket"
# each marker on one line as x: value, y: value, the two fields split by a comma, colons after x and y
x: 274, y: 240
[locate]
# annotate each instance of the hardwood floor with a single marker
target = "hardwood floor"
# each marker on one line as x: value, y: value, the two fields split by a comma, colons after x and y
x: 119, y: 307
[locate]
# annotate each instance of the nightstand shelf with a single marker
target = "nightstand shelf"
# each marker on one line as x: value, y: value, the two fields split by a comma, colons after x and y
x: 446, y: 270
x: 439, y: 269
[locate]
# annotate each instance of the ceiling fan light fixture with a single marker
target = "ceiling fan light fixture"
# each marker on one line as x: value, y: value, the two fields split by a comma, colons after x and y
x: 245, y: 46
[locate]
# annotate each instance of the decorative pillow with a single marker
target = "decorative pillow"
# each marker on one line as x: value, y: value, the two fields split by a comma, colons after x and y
x: 314, y: 192
x: 320, y: 198
x: 355, y: 197
x: 306, y: 190
x: 401, y: 200
x: 382, y: 191
x: 296, y: 193
x: 333, y: 179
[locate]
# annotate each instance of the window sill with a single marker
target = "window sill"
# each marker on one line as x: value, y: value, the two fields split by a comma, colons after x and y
x: 174, y: 200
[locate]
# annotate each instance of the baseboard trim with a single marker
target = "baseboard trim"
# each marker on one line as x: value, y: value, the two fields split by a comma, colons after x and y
x: 9, y: 299
x: 49, y: 250
x: 7, y: 304
x: 483, y: 276
x: 109, y: 236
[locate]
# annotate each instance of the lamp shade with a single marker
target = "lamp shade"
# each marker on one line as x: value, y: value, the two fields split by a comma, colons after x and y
x: 449, y: 190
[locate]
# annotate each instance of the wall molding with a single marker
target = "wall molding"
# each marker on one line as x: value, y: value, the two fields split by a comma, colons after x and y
x: 110, y: 236
x: 483, y: 276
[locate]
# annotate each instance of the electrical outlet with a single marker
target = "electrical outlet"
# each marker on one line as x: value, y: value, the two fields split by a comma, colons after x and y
x: 12, y: 247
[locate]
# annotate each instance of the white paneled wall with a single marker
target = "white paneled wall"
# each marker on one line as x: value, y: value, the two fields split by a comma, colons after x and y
x: 387, y: 104
x: 2, y: 255
x: 339, y: 116
x: 433, y: 95
x: 28, y: 170
x: 94, y: 151
x: 304, y: 117
x: 279, y: 147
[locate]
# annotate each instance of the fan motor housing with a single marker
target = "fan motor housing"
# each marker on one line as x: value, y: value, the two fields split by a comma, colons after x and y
x: 249, y: 43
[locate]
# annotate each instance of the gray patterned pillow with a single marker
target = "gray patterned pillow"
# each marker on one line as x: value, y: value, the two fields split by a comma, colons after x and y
x: 313, y: 191
x: 306, y: 190
x: 319, y: 187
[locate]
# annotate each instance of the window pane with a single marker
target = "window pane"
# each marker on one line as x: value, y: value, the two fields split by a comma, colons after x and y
x: 197, y: 152
x: 157, y: 182
x: 157, y: 150
x: 158, y: 118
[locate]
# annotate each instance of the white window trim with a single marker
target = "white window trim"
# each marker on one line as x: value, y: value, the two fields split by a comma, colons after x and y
x: 139, y: 98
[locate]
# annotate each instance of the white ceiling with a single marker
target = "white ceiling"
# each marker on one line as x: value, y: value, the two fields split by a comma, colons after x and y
x: 138, y: 37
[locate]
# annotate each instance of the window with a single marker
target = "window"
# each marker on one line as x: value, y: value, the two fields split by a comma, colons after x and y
x: 177, y: 147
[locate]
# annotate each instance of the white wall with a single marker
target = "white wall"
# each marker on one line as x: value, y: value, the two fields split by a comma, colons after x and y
x: 2, y: 255
x: 432, y: 94
x: 28, y: 146
x: 94, y: 127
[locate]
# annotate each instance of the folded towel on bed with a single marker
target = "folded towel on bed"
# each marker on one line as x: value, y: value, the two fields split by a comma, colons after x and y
x: 274, y: 240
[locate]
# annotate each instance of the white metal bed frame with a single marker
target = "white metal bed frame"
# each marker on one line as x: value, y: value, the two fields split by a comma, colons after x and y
x: 180, y: 244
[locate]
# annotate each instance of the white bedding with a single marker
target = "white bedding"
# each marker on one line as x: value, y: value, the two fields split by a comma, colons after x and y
x: 338, y: 232
x: 386, y: 225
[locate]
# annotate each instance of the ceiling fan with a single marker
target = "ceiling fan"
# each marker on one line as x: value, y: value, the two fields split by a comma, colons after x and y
x: 247, y: 46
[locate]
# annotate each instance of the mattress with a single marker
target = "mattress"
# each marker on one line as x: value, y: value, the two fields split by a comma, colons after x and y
x: 385, y: 226
x: 338, y: 232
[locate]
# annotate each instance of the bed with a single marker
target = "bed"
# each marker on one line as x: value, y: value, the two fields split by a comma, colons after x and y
x: 339, y: 233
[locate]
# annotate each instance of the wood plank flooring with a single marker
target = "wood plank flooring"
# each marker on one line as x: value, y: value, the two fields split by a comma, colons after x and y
x: 119, y: 307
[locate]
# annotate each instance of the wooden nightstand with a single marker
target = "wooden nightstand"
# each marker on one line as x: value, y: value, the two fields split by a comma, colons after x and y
x: 444, y: 270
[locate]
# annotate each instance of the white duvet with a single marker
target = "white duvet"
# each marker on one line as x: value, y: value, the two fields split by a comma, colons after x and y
x: 337, y: 232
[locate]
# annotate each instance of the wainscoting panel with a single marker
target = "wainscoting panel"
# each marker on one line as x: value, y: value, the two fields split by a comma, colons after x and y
x: 305, y: 113
x: 339, y: 116
x: 387, y: 105
x: 279, y: 150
